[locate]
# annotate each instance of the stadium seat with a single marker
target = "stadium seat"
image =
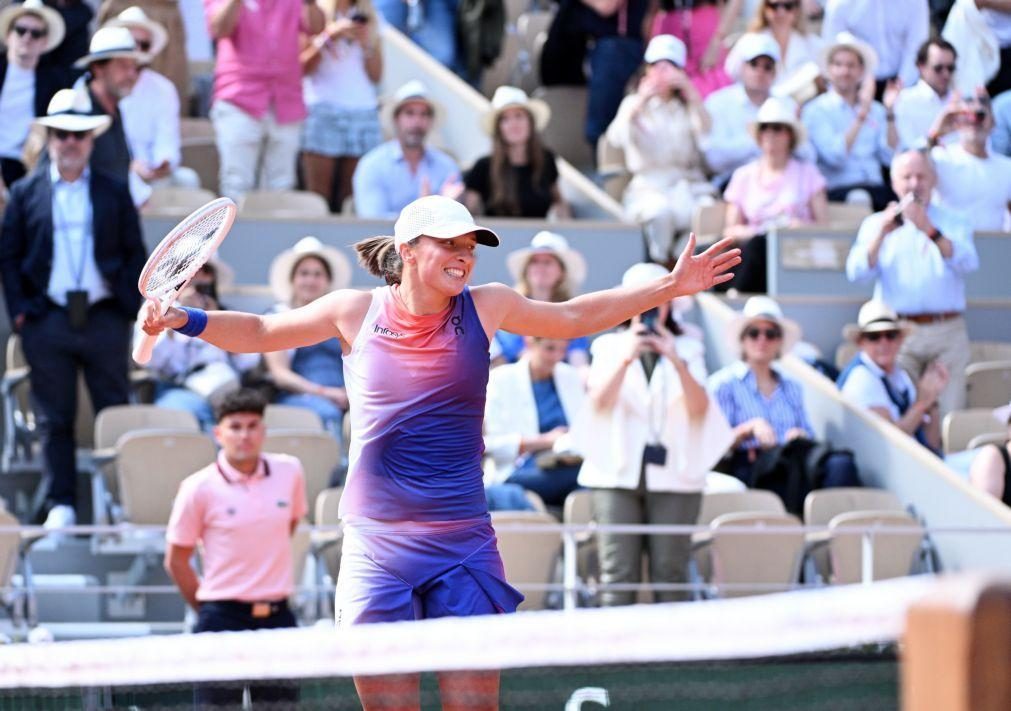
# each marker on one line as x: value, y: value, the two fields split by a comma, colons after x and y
x: 283, y: 203
x: 720, y: 483
x: 740, y: 557
x: 894, y: 553
x: 564, y: 134
x: 958, y: 428
x: 176, y: 201
x: 708, y: 220
x: 529, y: 557
x: 279, y: 418
x: 988, y: 384
x: 998, y: 438
x: 981, y: 351
x: 326, y: 545
x: 319, y: 453
x: 720, y: 503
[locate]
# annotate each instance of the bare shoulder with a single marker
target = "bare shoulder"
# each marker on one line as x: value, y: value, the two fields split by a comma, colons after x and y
x: 348, y: 308
x: 493, y: 301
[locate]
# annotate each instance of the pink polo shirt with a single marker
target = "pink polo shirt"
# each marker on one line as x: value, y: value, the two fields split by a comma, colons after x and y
x: 257, y: 67
x: 242, y: 524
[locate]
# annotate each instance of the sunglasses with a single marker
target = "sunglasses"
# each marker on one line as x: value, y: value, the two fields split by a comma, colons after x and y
x: 774, y: 127
x: 763, y: 64
x: 876, y: 336
x: 784, y: 6
x: 771, y: 334
x: 35, y: 34
x: 938, y: 68
x: 63, y: 135
x: 143, y: 45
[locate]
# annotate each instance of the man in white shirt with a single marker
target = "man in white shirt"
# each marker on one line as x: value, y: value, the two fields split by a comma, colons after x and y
x: 972, y: 181
x: 919, y: 257
x: 918, y: 105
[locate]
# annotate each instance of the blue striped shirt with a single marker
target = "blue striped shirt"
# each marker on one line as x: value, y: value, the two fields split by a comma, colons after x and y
x: 735, y: 388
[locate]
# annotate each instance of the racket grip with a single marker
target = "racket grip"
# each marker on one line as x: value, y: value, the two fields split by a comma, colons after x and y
x: 142, y: 351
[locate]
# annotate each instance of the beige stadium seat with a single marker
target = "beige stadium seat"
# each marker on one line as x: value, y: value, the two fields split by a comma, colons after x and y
x: 565, y: 136
x: 959, y: 427
x: 750, y: 501
x: 201, y: 154
x: 177, y: 201
x: 326, y: 544
x: 708, y: 221
x: 318, y: 451
x: 980, y: 351
x: 998, y: 438
x: 988, y: 384
x: 283, y: 203
x: 291, y: 417
x: 529, y: 557
x: 740, y: 557
x: 150, y: 466
x: 611, y: 167
x: 843, y: 215
x: 304, y: 603
x: 894, y: 553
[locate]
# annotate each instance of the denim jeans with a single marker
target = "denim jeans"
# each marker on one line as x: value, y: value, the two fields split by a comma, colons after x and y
x: 176, y: 397
x: 437, y: 31
x: 613, y: 61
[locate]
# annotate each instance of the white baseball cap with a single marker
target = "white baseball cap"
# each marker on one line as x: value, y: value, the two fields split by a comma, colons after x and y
x: 439, y: 217
x: 751, y: 46
x: 666, y: 47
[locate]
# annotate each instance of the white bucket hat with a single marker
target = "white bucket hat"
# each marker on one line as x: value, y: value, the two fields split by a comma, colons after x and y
x: 439, y: 217
x: 665, y: 47
x: 748, y: 47
x: 414, y: 90
x: 136, y: 17
x: 284, y: 263
x: 70, y: 110
x: 762, y: 308
x: 556, y: 245
x: 874, y: 317
x: 55, y: 27
x: 507, y: 97
x: 779, y: 110
x: 846, y: 40
x: 109, y: 43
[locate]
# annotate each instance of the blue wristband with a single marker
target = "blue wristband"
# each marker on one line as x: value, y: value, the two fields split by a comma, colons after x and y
x: 196, y: 322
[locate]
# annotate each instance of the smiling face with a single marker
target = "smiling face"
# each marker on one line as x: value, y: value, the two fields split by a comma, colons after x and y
x: 444, y: 265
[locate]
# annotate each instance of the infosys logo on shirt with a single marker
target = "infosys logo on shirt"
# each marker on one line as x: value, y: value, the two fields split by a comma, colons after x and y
x: 383, y: 331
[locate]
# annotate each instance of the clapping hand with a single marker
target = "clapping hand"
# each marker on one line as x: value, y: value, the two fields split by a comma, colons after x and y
x: 933, y: 382
x: 697, y: 272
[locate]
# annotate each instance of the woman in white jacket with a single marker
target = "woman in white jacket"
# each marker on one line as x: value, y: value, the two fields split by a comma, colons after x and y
x: 648, y: 438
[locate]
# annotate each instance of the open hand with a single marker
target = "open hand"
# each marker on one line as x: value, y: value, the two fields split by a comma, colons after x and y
x: 697, y: 272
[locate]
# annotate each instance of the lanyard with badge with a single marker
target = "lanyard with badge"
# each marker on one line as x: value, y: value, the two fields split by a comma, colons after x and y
x: 77, y: 298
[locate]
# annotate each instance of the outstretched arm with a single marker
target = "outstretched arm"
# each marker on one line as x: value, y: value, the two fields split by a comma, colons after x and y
x: 501, y: 307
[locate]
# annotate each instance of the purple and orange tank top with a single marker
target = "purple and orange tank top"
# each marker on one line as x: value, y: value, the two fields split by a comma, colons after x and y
x: 417, y: 390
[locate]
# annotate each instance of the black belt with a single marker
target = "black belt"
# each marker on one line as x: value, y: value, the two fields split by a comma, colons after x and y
x: 259, y: 609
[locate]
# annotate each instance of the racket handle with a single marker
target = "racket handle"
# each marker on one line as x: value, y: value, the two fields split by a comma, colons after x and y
x: 142, y: 351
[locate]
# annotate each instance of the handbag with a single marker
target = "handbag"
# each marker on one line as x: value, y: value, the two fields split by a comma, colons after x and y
x: 213, y: 381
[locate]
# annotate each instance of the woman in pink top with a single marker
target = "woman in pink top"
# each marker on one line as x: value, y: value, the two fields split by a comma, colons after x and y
x: 418, y: 541
x: 775, y: 190
x: 702, y: 25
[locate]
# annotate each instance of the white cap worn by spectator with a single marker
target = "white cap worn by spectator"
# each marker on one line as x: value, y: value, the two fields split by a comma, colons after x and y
x: 70, y: 110
x: 556, y: 245
x: 508, y: 97
x: 846, y: 40
x: 666, y: 48
x: 283, y: 265
x: 136, y: 17
x: 441, y: 218
x: 414, y: 90
x: 55, y: 27
x: 110, y: 43
x: 781, y: 111
x: 751, y: 46
x: 762, y: 308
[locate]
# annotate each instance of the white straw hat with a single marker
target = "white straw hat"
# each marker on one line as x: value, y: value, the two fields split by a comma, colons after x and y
x: 136, y: 17
x: 762, y: 308
x: 109, y: 43
x: 414, y: 90
x: 665, y: 47
x: 439, y: 217
x: 507, y: 97
x: 56, y: 29
x: 70, y: 110
x: 283, y: 264
x: 750, y: 46
x: 875, y: 316
x: 556, y: 245
x: 779, y: 110
x: 846, y: 40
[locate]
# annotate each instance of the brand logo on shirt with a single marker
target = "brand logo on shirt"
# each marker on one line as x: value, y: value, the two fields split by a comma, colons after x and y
x: 231, y: 511
x: 457, y: 328
x: 281, y: 504
x: 383, y: 331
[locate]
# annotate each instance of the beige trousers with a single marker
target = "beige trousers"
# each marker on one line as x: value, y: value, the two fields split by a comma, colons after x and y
x: 947, y: 341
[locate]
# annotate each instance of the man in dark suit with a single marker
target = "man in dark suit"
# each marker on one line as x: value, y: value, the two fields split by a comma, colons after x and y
x: 70, y: 256
x: 28, y: 31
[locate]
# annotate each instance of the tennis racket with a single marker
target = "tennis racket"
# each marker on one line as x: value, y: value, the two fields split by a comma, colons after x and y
x: 179, y: 257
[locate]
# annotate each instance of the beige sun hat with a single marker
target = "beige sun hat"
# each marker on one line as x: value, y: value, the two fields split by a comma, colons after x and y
x: 556, y: 245
x: 284, y: 263
x: 441, y: 218
x: 847, y: 40
x: 136, y: 17
x: 779, y: 110
x: 762, y: 308
x: 56, y: 29
x: 509, y: 97
x: 414, y: 90
x: 110, y: 43
x: 875, y: 316
x: 70, y: 110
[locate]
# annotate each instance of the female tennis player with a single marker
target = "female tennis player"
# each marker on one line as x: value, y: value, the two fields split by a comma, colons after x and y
x: 418, y: 541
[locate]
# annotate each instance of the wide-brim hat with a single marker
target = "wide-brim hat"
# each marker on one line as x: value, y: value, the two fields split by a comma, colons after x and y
x: 874, y: 317
x: 70, y: 110
x: 750, y: 46
x: 136, y: 17
x: 110, y: 43
x: 762, y: 308
x: 509, y: 97
x: 847, y: 40
x: 779, y: 110
x: 283, y: 264
x: 666, y: 47
x: 557, y: 246
x: 439, y: 217
x: 413, y: 90
x: 56, y: 29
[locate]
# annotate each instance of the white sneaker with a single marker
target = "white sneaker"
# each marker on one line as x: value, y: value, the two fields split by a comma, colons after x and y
x: 60, y: 516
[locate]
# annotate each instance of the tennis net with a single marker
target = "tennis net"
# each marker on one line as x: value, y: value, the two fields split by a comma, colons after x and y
x: 832, y: 648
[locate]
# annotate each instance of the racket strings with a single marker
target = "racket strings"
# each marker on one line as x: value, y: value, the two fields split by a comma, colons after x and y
x: 175, y: 265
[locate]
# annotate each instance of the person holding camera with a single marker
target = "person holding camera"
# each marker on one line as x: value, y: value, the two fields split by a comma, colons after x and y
x: 648, y: 438
x: 342, y: 66
x: 972, y: 181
